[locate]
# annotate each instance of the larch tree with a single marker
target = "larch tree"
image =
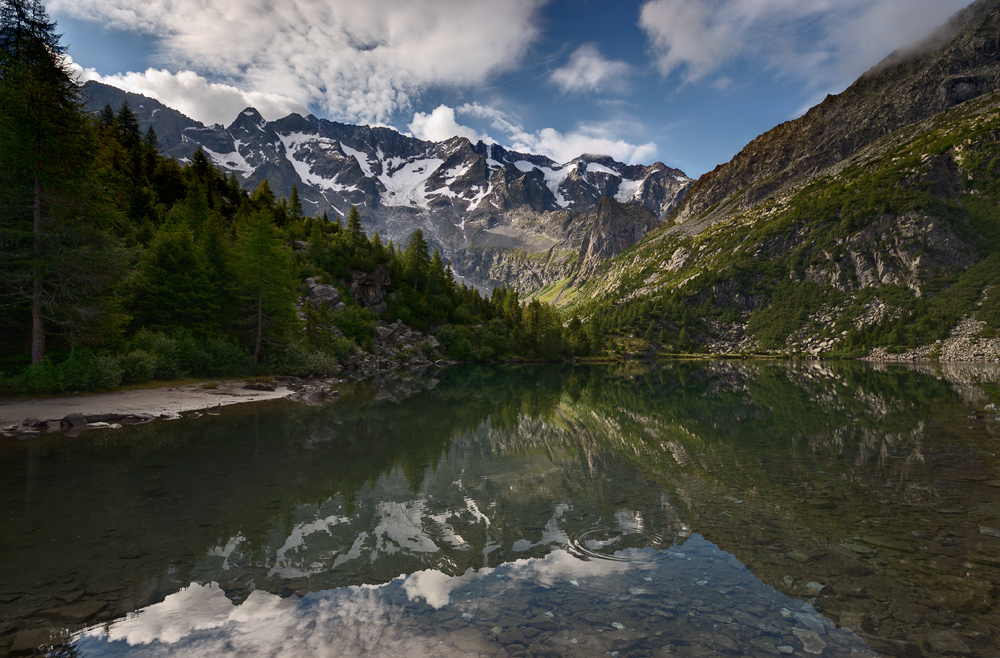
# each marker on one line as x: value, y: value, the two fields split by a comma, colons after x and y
x: 264, y: 269
x: 43, y: 161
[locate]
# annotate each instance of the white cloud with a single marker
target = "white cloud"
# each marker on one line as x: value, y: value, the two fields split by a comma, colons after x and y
x: 825, y: 43
x: 440, y: 125
x: 193, y: 95
x: 563, y: 147
x: 360, y: 61
x: 589, y: 71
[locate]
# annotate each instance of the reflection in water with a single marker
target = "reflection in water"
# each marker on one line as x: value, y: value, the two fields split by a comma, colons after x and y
x: 694, y: 509
x: 684, y: 602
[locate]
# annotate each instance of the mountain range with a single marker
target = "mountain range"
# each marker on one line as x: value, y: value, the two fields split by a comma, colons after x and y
x: 867, y: 227
x: 500, y: 216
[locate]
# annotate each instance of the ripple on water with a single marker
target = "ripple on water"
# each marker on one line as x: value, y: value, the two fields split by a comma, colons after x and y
x: 612, y: 543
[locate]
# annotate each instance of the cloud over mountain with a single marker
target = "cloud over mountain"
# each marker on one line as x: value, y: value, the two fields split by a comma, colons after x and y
x: 357, y: 60
x: 825, y: 43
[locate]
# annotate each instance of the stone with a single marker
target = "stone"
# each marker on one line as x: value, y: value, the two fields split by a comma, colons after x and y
x: 812, y: 622
x: 816, y: 589
x: 543, y: 623
x: 854, y: 621
x: 74, y: 420
x: 138, y: 419
x: 945, y: 643
x: 511, y: 636
x: 76, y: 612
x: 71, y: 597
x: 34, y: 641
x: 322, y: 294
x: 261, y: 386
x: 891, y: 647
x: 811, y: 641
x: 989, y: 532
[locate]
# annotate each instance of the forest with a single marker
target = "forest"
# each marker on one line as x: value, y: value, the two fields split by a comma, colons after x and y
x: 119, y: 266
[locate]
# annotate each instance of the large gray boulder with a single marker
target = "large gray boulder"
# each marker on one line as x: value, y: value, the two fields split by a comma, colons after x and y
x: 323, y: 294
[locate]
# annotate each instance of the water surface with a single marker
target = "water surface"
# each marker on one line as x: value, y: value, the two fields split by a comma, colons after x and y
x: 690, y: 510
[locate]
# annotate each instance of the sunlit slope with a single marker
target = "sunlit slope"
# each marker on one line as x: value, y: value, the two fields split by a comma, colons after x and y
x: 891, y: 247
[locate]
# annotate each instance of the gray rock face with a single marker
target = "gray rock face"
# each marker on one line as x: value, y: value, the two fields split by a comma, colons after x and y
x: 469, y: 199
x: 957, y: 64
x: 322, y: 294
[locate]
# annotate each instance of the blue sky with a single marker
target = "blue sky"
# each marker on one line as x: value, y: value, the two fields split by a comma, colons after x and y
x: 685, y: 82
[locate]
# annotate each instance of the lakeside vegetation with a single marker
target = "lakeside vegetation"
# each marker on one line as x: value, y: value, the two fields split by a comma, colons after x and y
x: 118, y: 265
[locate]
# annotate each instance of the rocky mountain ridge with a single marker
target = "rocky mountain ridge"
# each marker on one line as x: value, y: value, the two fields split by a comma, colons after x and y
x: 959, y: 62
x: 868, y: 227
x: 484, y: 206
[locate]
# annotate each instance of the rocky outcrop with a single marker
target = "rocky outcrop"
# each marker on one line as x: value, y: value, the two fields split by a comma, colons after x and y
x: 960, y: 62
x: 323, y: 295
x: 616, y: 228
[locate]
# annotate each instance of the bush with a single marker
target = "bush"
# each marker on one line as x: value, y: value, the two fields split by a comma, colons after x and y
x: 301, y: 361
x: 83, y: 371
x: 138, y: 366
x: 165, y: 351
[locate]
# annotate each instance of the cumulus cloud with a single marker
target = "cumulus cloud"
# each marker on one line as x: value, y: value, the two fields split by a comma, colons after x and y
x: 825, y: 43
x: 440, y: 125
x: 193, y: 95
x: 589, y: 71
x: 360, y: 61
x: 564, y: 146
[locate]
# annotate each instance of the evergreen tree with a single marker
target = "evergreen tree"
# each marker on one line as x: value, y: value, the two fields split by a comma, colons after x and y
x: 43, y: 157
x: 294, y: 204
x: 173, y: 289
x: 416, y: 259
x: 264, y: 269
x: 354, y: 228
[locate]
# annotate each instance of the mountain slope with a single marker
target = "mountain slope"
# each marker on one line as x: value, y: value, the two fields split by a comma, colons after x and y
x: 959, y: 62
x: 858, y: 227
x: 500, y: 216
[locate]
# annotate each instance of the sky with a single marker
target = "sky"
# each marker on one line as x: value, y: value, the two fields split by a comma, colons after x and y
x: 685, y: 82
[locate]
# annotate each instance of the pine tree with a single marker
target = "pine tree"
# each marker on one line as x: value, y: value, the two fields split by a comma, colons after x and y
x: 294, y: 204
x: 43, y: 157
x: 354, y: 228
x: 416, y: 259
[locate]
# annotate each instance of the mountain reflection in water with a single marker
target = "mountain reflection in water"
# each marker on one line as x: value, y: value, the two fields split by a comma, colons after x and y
x: 691, y: 509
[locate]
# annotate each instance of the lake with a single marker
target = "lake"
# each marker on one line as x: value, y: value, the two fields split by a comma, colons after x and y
x: 682, y: 509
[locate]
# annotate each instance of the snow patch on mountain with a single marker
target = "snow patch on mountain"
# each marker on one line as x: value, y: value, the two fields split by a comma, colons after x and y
x: 405, y: 184
x: 629, y: 190
x: 362, y: 159
x: 232, y: 161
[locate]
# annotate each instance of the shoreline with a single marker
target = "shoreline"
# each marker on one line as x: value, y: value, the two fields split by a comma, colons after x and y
x: 47, y: 414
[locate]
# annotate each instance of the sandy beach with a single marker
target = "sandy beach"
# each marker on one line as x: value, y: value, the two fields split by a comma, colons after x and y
x: 167, y: 401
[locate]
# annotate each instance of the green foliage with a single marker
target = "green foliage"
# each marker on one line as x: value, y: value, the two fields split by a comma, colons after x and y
x: 263, y: 266
x: 791, y: 305
x: 83, y: 371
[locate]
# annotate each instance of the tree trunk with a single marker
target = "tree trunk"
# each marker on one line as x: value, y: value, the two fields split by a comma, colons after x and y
x: 37, y: 322
x: 260, y: 325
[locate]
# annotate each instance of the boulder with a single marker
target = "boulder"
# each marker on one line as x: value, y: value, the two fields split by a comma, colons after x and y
x: 322, y: 294
x: 261, y: 386
x: 74, y: 420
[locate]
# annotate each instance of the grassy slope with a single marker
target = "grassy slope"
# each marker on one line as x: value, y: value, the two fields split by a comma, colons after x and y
x: 750, y: 272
